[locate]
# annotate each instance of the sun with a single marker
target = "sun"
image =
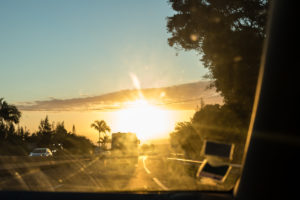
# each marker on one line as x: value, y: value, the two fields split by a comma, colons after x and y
x: 146, y: 120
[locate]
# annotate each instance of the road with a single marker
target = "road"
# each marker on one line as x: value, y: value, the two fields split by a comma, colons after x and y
x: 151, y: 173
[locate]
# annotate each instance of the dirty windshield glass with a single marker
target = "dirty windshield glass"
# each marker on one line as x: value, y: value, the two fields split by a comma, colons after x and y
x: 127, y: 95
x: 39, y: 151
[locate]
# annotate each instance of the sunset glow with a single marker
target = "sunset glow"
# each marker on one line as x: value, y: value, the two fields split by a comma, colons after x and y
x: 144, y: 119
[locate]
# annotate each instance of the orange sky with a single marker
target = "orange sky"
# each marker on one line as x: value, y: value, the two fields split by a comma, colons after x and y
x: 117, y: 120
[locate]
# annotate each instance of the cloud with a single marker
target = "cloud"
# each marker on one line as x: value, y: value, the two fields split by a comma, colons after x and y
x: 185, y: 96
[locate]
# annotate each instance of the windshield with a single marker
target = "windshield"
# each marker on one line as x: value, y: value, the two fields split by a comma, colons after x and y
x: 128, y: 95
x: 39, y: 151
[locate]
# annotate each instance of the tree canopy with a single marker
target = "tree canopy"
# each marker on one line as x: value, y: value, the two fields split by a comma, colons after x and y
x: 16, y: 140
x: 9, y: 113
x: 229, y: 36
x: 101, y: 127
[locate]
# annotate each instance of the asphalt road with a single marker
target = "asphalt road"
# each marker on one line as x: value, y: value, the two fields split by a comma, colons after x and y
x: 150, y: 173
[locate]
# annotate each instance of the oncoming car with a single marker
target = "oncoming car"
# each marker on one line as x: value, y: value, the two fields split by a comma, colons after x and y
x: 43, y: 152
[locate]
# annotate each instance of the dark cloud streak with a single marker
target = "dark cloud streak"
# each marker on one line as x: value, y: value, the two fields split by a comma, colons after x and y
x: 185, y: 96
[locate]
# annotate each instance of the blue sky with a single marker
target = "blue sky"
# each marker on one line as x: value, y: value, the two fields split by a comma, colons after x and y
x: 67, y: 49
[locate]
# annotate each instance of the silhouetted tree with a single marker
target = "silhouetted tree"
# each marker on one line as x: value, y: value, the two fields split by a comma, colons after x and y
x: 45, y: 126
x: 73, y: 129
x: 23, y: 133
x: 12, y: 140
x: 9, y: 113
x: 185, y: 138
x: 75, y: 144
x: 45, y: 132
x: 228, y: 34
x: 212, y: 122
x: 60, y: 133
x: 19, y: 141
x: 101, y: 127
x: 60, y: 129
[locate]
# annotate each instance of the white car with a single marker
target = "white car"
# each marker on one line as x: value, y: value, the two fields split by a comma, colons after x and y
x: 45, y: 152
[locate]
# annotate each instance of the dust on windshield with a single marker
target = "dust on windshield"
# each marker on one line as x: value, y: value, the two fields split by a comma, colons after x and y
x: 39, y: 151
x: 127, y: 96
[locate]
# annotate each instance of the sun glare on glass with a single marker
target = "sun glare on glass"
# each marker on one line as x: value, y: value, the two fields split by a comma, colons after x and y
x: 144, y: 119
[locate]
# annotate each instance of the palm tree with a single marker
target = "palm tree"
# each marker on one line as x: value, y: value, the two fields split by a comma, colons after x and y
x: 9, y: 113
x: 101, y: 127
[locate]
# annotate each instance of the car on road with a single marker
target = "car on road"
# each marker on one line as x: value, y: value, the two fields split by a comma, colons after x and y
x: 43, y: 152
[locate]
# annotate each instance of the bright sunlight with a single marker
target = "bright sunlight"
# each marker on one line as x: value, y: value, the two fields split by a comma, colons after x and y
x: 146, y: 120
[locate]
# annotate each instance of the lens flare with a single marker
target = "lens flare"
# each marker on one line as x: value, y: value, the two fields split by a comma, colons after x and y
x: 144, y: 119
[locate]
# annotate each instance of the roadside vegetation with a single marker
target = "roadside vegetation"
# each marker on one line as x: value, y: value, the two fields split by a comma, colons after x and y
x: 17, y: 140
x: 103, y: 130
x: 229, y: 37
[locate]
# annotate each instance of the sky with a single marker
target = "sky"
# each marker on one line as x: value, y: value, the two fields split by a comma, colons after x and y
x: 66, y: 49
x: 56, y: 49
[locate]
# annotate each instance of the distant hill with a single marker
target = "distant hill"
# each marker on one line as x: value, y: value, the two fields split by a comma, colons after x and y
x: 184, y: 96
